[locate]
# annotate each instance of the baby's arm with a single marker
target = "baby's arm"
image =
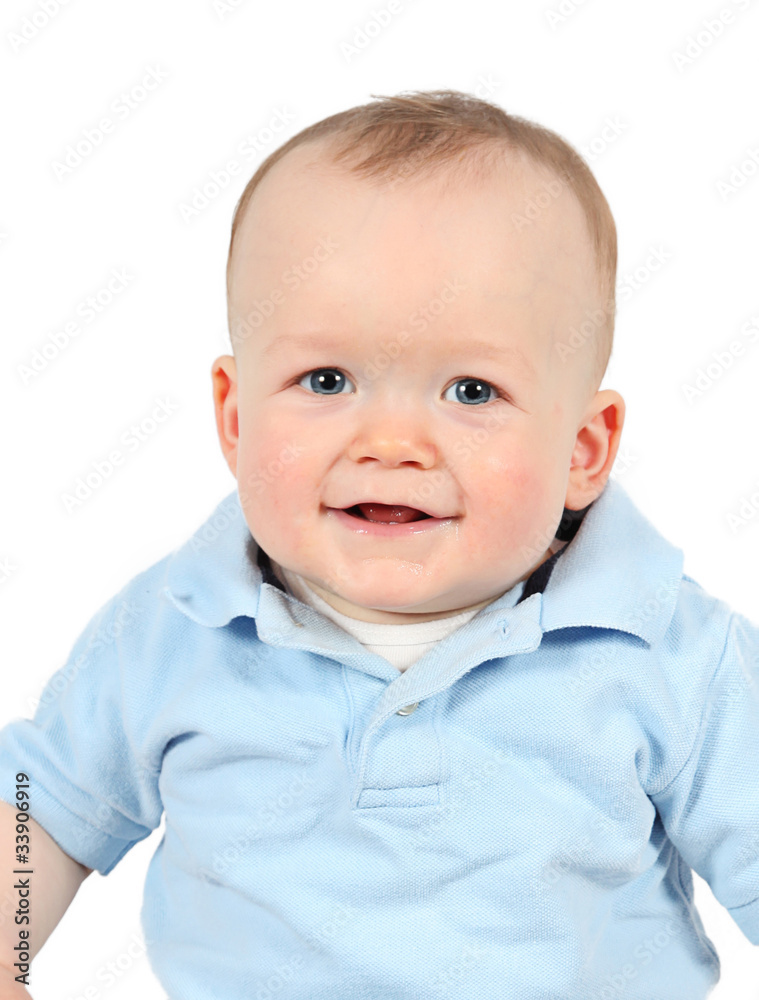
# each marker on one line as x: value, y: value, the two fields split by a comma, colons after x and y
x: 56, y: 880
x: 710, y: 808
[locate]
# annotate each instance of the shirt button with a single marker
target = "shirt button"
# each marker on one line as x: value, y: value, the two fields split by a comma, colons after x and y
x: 408, y: 709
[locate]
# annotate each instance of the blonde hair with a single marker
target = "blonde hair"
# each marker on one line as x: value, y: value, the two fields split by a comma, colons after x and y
x: 417, y: 132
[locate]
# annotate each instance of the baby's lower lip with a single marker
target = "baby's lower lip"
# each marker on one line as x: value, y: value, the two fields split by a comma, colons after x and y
x: 361, y: 526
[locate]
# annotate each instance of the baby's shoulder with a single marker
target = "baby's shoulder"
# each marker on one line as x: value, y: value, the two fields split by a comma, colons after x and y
x: 139, y: 622
x: 703, y: 631
x: 142, y: 597
x: 701, y: 614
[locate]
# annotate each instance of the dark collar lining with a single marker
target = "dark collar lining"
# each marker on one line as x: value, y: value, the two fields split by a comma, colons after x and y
x: 535, y: 583
x: 264, y: 564
x: 569, y: 525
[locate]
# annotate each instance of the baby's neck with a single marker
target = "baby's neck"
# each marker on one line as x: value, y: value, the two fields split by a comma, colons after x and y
x: 299, y: 587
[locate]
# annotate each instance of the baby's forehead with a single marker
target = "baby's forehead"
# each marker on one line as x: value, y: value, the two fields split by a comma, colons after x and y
x: 532, y: 193
x: 514, y: 215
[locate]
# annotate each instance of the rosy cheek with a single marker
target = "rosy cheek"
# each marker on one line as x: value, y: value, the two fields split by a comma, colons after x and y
x: 511, y: 467
x: 270, y: 450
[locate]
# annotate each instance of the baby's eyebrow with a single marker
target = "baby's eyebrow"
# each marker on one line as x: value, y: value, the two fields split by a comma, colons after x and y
x: 497, y: 352
x: 299, y: 340
x: 466, y: 349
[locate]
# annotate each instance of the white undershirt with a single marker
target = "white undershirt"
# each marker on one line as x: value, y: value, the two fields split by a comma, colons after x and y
x: 401, y: 645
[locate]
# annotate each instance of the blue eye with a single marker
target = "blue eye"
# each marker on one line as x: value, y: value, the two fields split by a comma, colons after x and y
x: 474, y: 391
x: 333, y: 381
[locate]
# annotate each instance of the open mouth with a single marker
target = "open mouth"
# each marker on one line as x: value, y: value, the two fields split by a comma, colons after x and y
x: 380, y: 513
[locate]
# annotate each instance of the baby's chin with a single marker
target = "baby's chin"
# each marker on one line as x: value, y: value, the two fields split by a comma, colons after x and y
x: 380, y: 610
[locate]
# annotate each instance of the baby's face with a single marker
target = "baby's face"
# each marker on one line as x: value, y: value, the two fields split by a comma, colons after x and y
x: 408, y: 358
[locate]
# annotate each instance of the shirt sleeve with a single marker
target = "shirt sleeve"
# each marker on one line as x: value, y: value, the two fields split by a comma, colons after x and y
x: 88, y: 787
x: 710, y: 810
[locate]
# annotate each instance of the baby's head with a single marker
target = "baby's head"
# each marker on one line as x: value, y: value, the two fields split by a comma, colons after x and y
x: 421, y: 308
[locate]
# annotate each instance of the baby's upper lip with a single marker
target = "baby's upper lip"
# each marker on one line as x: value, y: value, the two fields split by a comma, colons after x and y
x: 395, y: 503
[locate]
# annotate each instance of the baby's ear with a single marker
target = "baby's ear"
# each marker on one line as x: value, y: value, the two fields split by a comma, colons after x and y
x: 595, y: 449
x: 224, y: 378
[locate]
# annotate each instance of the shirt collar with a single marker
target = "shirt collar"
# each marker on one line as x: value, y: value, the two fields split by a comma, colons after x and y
x: 618, y: 572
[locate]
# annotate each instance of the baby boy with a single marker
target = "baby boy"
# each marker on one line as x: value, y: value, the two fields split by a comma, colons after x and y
x: 430, y: 707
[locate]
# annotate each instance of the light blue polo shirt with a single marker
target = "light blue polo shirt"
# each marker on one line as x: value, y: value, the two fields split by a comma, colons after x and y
x: 527, y: 832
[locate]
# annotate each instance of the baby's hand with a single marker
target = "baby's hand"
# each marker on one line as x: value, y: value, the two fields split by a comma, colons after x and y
x: 10, y: 989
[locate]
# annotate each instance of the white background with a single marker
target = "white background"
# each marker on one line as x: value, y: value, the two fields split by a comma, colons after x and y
x: 684, y: 130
